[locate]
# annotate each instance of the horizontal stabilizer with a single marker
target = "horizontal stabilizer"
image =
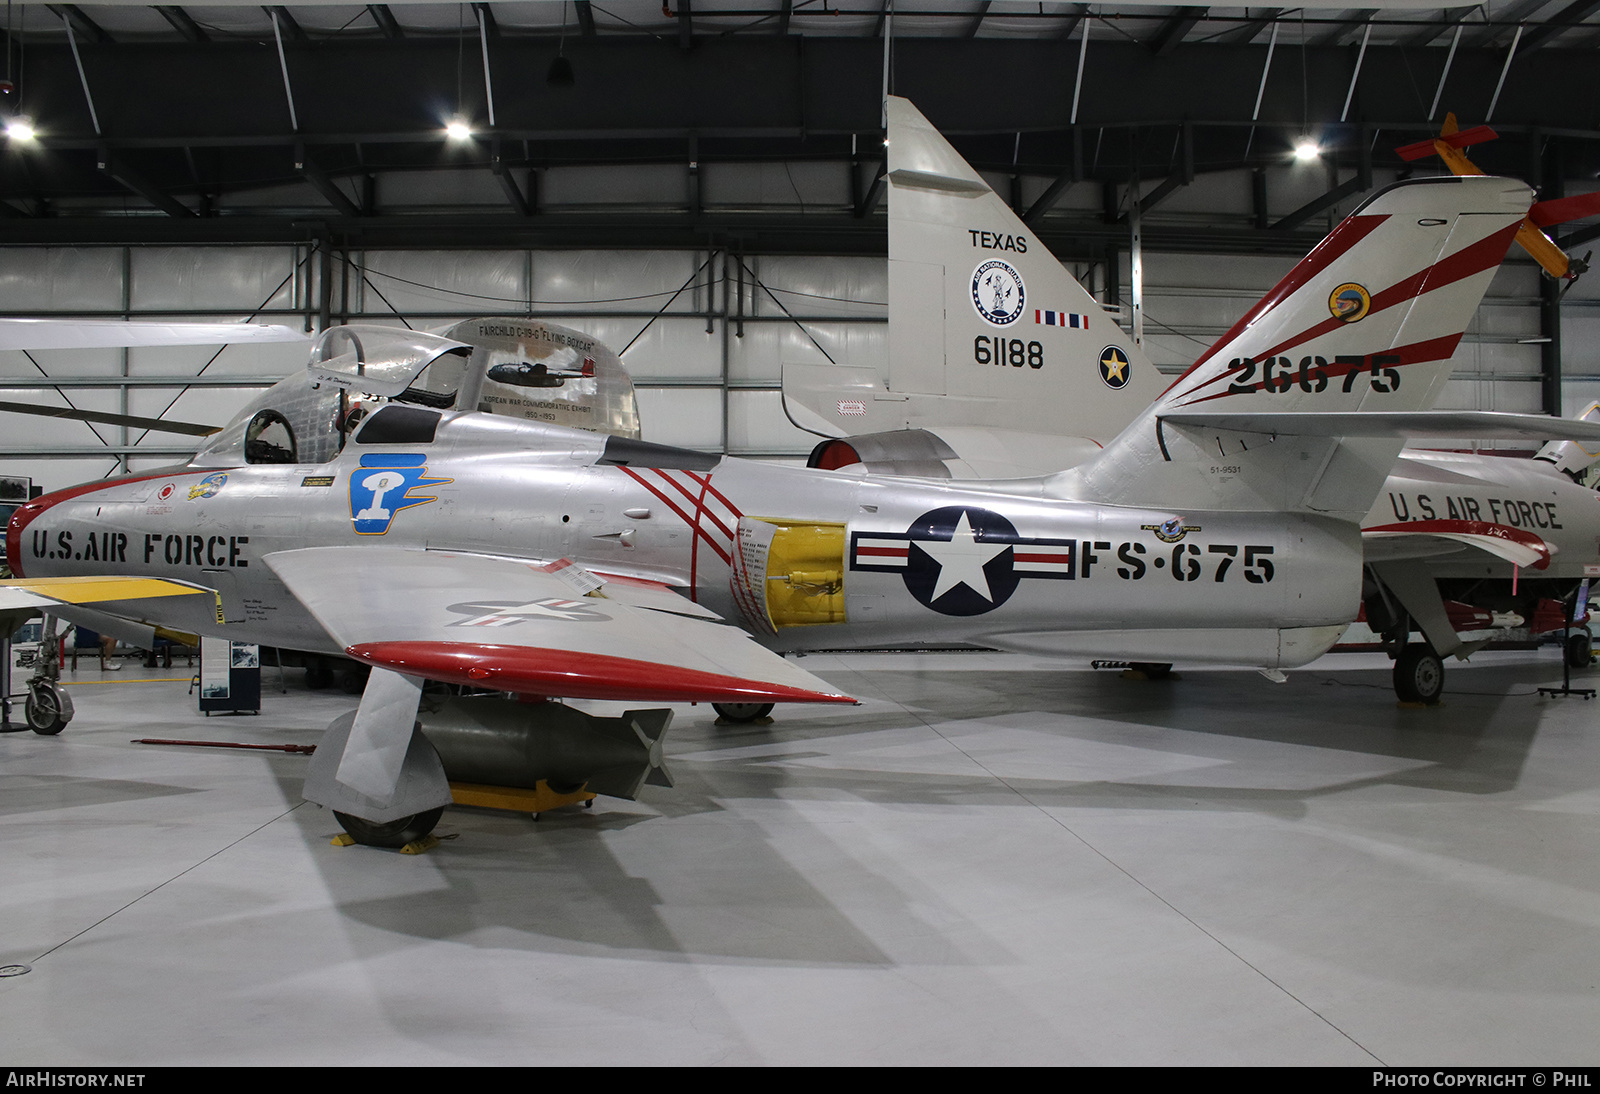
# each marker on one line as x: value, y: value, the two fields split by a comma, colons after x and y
x: 1480, y: 424
x: 26, y: 334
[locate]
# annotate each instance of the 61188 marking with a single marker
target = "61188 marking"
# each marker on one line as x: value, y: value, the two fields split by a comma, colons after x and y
x: 994, y: 349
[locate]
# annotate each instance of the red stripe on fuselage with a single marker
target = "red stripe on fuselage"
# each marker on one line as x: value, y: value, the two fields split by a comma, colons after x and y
x: 28, y: 513
x: 694, y: 525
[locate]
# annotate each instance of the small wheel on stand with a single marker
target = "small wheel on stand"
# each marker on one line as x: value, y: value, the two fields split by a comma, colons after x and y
x: 1419, y: 674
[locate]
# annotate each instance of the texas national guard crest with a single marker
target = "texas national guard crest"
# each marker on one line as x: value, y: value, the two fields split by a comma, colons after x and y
x: 997, y: 292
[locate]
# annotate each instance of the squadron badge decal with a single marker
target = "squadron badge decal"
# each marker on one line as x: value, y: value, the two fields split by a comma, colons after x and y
x: 382, y: 487
x: 1171, y: 531
x: 998, y: 293
x: 1349, y: 303
x: 962, y: 560
x: 207, y: 487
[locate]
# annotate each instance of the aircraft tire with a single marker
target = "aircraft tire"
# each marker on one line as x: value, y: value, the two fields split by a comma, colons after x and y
x: 1580, y: 649
x: 44, y: 710
x: 318, y: 676
x: 396, y: 833
x: 742, y: 712
x: 1419, y: 674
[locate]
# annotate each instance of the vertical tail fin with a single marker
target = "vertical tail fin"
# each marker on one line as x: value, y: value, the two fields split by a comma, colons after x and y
x: 1368, y: 321
x: 980, y: 309
x: 986, y: 328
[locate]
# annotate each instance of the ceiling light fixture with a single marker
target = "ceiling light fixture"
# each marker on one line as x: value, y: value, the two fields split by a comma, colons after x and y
x: 561, y: 74
x: 457, y: 130
x: 20, y: 129
x: 1306, y: 149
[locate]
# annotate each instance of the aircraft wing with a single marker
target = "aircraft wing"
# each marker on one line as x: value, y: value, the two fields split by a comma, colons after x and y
x: 121, y: 605
x: 1481, y: 424
x: 519, y: 627
x: 114, y: 334
x: 1426, y: 539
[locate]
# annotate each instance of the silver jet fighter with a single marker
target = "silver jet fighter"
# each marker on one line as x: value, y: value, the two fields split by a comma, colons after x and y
x: 535, y: 560
x: 1043, y: 390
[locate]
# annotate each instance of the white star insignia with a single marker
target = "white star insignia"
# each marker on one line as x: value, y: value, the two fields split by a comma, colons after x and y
x: 961, y: 560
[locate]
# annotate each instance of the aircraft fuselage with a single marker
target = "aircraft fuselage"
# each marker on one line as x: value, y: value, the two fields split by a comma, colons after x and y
x: 828, y: 561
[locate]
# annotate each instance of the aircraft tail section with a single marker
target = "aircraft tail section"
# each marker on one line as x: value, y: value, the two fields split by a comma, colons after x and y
x: 986, y: 328
x: 1367, y: 322
x: 980, y: 309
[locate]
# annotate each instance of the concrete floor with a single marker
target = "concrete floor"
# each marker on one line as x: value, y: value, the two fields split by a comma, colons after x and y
x: 993, y: 861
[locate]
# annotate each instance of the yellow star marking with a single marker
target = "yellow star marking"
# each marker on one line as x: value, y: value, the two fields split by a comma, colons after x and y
x: 1114, y: 364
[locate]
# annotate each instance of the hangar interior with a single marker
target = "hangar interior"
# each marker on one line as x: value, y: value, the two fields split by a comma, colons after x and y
x: 998, y: 859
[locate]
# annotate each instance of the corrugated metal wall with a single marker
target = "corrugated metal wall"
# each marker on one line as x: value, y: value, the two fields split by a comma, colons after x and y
x: 705, y: 332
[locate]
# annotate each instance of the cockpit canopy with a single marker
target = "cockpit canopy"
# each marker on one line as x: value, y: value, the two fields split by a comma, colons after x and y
x: 519, y: 368
x: 385, y: 361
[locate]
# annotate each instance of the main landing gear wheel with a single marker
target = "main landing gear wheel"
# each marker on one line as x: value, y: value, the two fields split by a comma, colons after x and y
x: 1419, y: 674
x: 1580, y: 650
x: 45, y: 709
x: 742, y: 712
x: 318, y: 676
x: 396, y: 833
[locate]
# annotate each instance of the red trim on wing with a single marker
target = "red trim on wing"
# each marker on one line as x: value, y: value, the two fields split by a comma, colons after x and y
x: 28, y: 513
x: 568, y: 674
x: 1341, y: 239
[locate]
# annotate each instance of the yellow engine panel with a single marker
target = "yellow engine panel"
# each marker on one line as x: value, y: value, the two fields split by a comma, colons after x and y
x: 805, y: 573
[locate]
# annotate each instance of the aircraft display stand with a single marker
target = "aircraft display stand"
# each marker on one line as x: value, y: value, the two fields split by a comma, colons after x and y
x: 1580, y: 607
x: 230, y: 677
x: 6, y: 724
x: 512, y: 799
x: 515, y: 799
